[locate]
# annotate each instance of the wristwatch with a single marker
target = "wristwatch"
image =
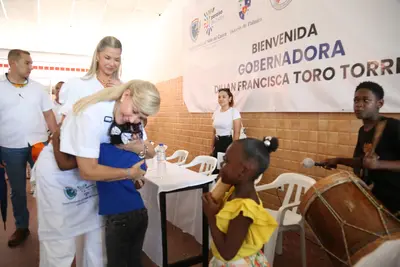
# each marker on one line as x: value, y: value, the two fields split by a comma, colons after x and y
x: 142, y: 154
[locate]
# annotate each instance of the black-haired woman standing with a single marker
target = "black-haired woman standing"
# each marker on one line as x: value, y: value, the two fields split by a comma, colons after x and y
x: 226, y: 123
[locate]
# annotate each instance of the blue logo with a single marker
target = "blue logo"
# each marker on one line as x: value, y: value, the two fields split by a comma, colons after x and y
x: 244, y: 6
x: 70, y: 192
x: 195, y: 29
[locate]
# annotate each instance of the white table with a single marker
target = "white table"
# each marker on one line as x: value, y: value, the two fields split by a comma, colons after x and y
x: 166, y: 184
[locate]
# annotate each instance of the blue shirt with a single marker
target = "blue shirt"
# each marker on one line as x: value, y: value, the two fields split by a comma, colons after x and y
x: 119, y: 196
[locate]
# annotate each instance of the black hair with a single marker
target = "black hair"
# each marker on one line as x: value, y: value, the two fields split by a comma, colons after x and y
x: 228, y: 91
x: 259, y: 151
x: 116, y: 131
x: 375, y: 88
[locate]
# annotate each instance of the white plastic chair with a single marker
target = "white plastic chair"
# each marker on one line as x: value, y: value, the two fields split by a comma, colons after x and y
x: 287, y: 216
x: 207, y: 164
x: 181, y: 155
x: 256, y: 181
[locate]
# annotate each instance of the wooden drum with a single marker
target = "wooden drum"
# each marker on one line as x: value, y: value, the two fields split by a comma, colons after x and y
x: 346, y: 219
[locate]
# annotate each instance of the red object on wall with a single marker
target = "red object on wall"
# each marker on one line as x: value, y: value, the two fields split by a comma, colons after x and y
x: 52, y: 68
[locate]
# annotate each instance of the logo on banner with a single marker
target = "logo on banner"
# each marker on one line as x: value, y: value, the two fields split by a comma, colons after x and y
x: 280, y: 4
x: 195, y: 29
x: 210, y: 18
x: 244, y: 6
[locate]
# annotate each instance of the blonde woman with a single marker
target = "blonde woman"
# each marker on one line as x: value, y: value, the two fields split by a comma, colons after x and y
x: 104, y: 71
x: 68, y: 204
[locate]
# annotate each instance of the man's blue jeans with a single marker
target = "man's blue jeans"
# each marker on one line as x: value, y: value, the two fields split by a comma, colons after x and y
x: 15, y: 160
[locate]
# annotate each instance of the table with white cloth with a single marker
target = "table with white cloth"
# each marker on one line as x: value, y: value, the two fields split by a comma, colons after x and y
x: 174, y: 193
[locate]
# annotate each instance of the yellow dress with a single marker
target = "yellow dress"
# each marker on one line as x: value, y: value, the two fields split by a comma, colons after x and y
x: 259, y: 231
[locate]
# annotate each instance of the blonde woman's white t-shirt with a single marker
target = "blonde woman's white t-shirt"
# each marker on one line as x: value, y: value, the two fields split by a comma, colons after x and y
x: 223, y: 121
x: 82, y: 134
x: 75, y: 89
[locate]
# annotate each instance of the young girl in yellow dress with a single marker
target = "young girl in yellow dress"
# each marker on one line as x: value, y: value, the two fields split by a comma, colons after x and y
x: 239, y: 224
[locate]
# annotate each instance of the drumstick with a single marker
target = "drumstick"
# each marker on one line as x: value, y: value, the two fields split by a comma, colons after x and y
x: 377, y: 136
x: 219, y: 190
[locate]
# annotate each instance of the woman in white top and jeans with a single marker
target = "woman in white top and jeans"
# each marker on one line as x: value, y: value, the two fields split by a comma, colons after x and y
x: 225, y: 119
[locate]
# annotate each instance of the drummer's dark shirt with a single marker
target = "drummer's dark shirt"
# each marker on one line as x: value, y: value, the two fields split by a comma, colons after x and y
x: 386, y: 183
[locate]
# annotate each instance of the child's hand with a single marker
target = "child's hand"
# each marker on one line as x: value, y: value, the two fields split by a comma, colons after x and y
x: 135, y: 146
x: 210, y: 206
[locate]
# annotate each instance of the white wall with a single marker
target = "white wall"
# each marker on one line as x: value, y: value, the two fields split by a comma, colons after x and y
x: 166, y: 44
x: 50, y: 77
x: 150, y: 51
x: 74, y: 45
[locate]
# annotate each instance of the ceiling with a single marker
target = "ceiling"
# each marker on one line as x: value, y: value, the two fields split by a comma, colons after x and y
x: 82, y: 14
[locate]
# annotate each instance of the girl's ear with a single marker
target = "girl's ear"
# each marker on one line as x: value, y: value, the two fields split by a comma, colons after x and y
x: 250, y: 167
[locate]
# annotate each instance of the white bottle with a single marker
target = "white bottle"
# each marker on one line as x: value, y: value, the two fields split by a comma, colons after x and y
x: 161, y: 153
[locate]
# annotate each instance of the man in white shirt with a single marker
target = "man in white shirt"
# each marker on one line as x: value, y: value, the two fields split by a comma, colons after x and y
x: 25, y: 114
x: 57, y: 102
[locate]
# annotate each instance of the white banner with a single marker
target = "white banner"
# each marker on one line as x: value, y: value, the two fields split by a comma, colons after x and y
x: 290, y: 56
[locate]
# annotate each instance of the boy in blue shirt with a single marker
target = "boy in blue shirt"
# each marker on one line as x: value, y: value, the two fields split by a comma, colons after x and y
x: 120, y: 202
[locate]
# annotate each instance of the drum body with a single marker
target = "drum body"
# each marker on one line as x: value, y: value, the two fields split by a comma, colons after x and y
x: 346, y: 219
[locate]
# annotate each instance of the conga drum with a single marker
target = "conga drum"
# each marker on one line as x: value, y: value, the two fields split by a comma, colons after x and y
x: 346, y: 219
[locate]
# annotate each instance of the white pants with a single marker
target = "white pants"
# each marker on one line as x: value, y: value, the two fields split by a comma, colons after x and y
x: 89, y: 249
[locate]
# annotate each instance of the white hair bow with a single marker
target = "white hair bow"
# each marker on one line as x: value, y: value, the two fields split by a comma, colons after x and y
x: 125, y: 138
x: 267, y: 141
x: 115, y: 131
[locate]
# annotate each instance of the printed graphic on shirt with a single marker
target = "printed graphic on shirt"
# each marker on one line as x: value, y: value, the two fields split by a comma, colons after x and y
x: 80, y: 193
x: 70, y: 192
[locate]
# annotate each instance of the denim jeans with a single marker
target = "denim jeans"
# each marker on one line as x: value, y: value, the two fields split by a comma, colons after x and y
x: 15, y: 160
x: 125, y: 234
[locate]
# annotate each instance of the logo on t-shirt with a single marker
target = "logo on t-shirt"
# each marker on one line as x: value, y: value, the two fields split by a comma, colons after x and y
x: 70, y: 192
x: 80, y: 194
x: 87, y: 189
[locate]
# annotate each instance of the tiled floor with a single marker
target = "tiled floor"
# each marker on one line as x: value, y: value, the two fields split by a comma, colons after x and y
x: 180, y: 246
